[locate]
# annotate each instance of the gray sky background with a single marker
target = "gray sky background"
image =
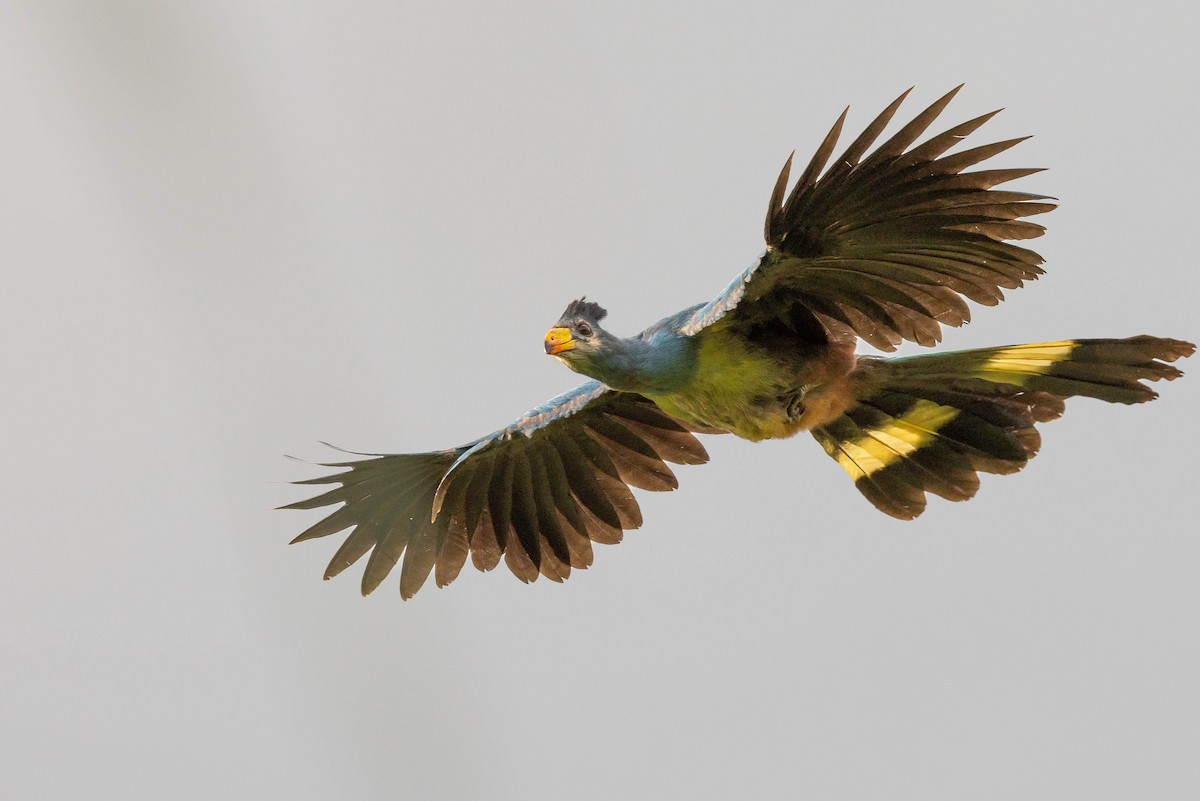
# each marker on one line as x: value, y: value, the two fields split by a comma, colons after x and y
x: 232, y: 229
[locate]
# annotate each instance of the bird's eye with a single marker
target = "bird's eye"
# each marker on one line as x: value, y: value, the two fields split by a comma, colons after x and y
x: 584, y: 329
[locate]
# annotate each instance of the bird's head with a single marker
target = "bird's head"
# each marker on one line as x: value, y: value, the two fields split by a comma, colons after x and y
x: 577, y: 339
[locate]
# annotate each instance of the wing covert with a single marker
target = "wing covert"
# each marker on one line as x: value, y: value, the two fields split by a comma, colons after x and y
x: 886, y: 246
x: 536, y: 493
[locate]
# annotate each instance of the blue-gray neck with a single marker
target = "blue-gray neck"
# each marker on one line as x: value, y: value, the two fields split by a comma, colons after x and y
x: 657, y: 362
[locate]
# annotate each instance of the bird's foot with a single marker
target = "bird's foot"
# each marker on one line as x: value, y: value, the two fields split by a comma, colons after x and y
x: 795, y: 406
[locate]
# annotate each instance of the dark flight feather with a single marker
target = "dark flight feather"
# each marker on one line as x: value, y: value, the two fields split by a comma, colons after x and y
x: 535, y: 494
x: 900, y: 203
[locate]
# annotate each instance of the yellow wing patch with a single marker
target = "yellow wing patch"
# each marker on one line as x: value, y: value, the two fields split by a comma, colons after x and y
x: 888, y: 444
x: 1011, y: 365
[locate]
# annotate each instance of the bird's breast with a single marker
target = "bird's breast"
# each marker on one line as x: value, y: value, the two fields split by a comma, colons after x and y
x: 755, y: 393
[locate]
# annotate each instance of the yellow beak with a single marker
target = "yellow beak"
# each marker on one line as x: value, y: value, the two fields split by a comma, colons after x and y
x: 558, y: 340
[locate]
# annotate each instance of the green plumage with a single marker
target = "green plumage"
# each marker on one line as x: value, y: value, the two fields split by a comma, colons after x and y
x: 734, y: 387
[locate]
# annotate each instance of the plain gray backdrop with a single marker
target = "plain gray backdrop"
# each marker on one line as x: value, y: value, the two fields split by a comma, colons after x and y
x: 233, y: 229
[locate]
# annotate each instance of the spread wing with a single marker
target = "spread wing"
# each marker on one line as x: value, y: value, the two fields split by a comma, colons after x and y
x: 885, y: 246
x: 538, y: 492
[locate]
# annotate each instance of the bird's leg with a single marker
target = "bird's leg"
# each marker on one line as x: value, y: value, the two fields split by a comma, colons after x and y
x: 795, y: 403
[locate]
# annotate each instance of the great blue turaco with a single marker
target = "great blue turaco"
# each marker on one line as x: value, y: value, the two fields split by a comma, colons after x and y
x: 881, y: 245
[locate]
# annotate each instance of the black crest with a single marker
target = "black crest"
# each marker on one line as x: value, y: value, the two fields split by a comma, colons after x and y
x: 592, y: 312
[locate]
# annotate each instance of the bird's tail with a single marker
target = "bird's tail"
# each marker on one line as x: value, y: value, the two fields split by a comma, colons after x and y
x: 932, y: 422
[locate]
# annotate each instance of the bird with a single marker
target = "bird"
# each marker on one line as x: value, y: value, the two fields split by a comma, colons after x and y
x: 884, y: 244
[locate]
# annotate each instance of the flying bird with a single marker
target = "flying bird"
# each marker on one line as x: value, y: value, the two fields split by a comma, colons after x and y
x: 882, y: 245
